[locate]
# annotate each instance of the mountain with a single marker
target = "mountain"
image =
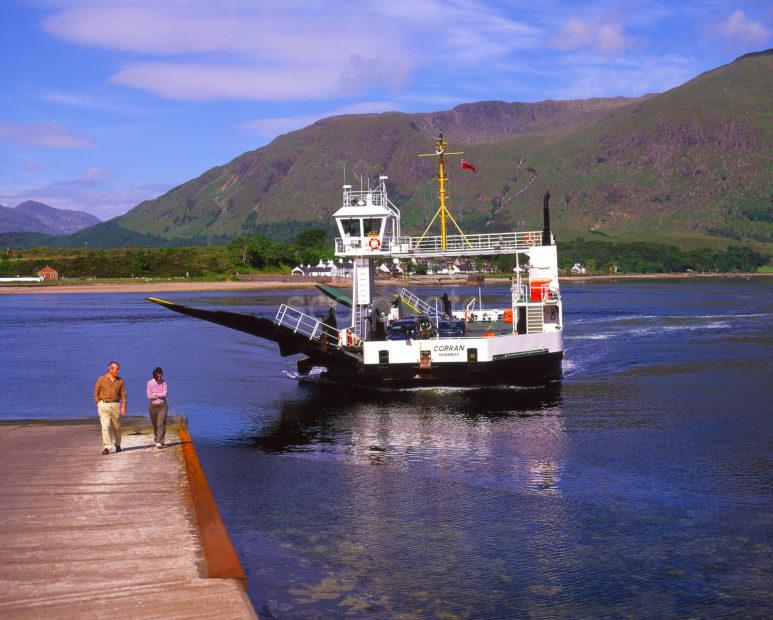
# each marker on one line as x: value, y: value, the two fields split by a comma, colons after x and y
x: 36, y: 217
x: 691, y: 164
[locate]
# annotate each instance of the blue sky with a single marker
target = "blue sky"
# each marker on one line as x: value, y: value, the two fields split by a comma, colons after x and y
x: 106, y: 103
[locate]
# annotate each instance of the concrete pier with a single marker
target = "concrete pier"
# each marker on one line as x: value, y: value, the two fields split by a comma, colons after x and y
x: 120, y: 536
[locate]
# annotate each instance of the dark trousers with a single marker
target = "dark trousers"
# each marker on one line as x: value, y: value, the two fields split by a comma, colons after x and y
x: 158, y: 417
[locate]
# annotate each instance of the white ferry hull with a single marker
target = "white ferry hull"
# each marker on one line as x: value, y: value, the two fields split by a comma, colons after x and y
x: 528, y: 369
x: 511, y: 360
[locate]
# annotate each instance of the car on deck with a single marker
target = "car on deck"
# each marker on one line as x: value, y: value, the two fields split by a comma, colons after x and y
x: 403, y: 329
x: 448, y: 328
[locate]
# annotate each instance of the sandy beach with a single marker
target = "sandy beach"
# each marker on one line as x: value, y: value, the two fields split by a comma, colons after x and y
x: 148, y: 287
x: 176, y: 286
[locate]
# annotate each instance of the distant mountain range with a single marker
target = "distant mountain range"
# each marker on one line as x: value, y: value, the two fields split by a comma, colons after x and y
x: 36, y: 217
x: 691, y: 165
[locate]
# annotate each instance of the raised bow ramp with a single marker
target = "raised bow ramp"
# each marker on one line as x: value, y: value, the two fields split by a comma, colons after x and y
x: 292, y: 330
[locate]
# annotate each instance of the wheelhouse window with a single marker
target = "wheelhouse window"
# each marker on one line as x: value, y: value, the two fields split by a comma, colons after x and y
x: 371, y: 226
x: 351, y: 227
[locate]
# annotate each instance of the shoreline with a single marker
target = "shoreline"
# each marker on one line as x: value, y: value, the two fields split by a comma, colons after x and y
x: 230, y: 285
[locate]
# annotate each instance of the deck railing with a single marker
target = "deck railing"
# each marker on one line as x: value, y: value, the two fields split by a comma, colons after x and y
x: 301, y: 323
x: 456, y: 245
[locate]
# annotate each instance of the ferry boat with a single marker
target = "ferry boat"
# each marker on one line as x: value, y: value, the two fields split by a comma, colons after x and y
x: 419, y: 342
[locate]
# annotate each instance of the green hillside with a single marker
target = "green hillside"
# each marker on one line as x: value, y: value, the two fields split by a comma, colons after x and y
x: 691, y: 165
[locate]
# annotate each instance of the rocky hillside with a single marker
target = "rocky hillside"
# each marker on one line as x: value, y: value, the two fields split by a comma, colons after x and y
x: 36, y: 217
x: 692, y: 163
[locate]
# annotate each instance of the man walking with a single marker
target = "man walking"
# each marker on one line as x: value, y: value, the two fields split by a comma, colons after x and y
x: 110, y: 397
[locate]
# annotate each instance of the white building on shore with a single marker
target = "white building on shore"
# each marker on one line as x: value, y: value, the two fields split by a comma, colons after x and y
x: 329, y: 269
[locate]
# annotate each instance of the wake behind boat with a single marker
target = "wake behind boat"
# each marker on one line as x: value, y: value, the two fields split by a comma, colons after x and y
x: 416, y: 342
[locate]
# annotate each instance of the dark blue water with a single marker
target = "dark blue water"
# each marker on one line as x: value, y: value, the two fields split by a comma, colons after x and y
x: 639, y: 486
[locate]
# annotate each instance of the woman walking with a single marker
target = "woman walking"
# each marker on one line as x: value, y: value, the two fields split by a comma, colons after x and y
x: 157, y: 390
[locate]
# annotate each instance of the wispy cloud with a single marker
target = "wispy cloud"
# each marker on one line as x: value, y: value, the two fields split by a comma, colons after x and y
x: 598, y: 76
x: 80, y: 101
x: 90, y: 102
x: 270, y: 127
x: 272, y: 51
x: 603, y: 34
x: 44, y: 135
x: 738, y: 28
x: 203, y: 82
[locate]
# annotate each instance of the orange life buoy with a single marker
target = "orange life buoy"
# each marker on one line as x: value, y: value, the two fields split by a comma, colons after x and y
x: 374, y: 243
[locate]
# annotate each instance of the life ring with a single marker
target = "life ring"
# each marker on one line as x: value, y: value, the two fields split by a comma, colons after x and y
x: 530, y: 238
x: 374, y: 243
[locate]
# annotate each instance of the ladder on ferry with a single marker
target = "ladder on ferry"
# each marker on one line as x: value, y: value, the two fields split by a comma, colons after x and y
x: 534, y: 319
x: 360, y: 321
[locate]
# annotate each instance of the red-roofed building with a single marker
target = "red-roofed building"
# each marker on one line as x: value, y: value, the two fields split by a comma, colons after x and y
x: 48, y: 273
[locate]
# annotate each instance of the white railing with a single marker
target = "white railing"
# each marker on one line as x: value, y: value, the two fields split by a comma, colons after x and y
x: 456, y: 245
x: 301, y: 323
x: 546, y: 293
x: 532, y: 293
x: 520, y: 292
x: 364, y: 245
x: 418, y: 304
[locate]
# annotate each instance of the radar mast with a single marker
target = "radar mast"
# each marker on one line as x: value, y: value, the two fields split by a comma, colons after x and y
x: 443, y: 212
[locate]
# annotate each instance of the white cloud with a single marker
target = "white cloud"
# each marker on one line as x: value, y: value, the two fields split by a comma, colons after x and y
x: 603, y: 34
x: 203, y: 82
x: 740, y: 29
x: 272, y: 127
x: 292, y: 50
x: 44, y: 135
x: 598, y: 76
x: 79, y: 101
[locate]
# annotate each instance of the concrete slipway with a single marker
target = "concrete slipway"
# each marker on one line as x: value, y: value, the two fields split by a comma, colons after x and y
x: 129, y: 535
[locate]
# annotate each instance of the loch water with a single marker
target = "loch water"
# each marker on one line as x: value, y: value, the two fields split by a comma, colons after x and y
x: 640, y: 485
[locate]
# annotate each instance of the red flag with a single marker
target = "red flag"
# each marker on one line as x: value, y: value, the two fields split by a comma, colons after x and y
x: 468, y: 165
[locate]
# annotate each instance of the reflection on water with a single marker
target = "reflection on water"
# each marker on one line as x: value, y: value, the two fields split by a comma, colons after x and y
x: 460, y: 431
x: 639, y: 486
x: 391, y: 496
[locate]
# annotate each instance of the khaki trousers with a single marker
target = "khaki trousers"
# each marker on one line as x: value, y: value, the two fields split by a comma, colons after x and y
x: 158, y: 417
x: 110, y: 419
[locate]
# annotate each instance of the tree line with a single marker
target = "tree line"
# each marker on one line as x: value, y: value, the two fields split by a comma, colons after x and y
x: 249, y: 254
x: 258, y: 253
x: 641, y: 257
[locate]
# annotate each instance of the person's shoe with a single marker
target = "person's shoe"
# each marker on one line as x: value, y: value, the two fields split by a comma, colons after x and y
x: 159, y: 445
x: 106, y: 451
x: 118, y: 448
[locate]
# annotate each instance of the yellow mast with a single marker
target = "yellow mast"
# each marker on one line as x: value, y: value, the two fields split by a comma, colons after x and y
x: 443, y: 212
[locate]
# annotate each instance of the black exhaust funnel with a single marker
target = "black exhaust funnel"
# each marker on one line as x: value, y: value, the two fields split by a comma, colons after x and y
x: 546, y: 219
